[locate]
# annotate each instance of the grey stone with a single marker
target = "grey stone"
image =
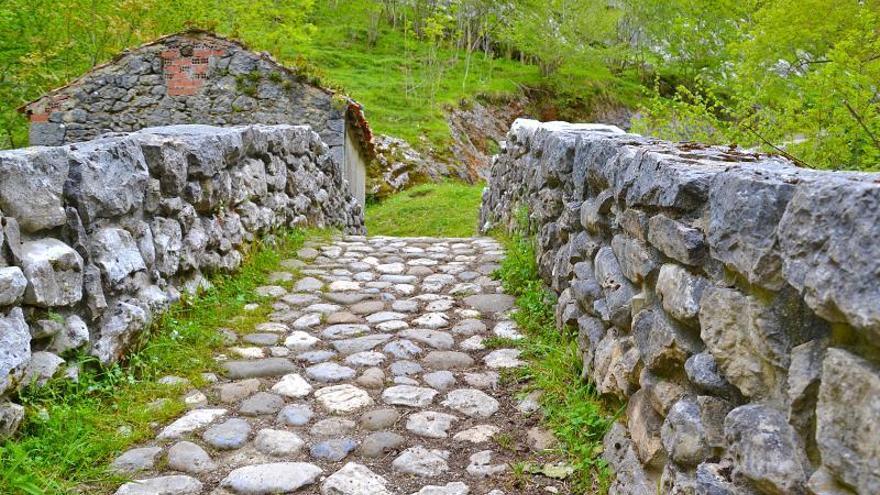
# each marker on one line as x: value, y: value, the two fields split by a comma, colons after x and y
x: 405, y: 368
x: 636, y: 259
x: 54, y: 272
x: 333, y: 450
x: 15, y: 349
x: 481, y: 465
x: 676, y: 240
x: 11, y: 416
x: 439, y: 380
x: 117, y: 330
x: 135, y: 460
x: 188, y: 457
x: 33, y: 185
x: 260, y: 404
x: 163, y: 485
x: 115, y: 252
x: 330, y: 372
x: 421, y: 462
x: 490, y: 303
x: 258, y: 368
x: 825, y: 241
x: 278, y: 442
x: 379, y: 419
x: 342, y: 399
x: 73, y: 335
x: 447, y: 360
x: 295, y: 415
x: 766, y: 449
x: 452, y: 488
x: 433, y: 338
x: 355, y: 479
x: 42, y: 367
x: 662, y: 343
x: 747, y: 340
x: 332, y: 427
x: 272, y: 478
x: 430, y: 424
x: 848, y: 418
x: 12, y: 285
x: 236, y: 391
x: 680, y: 292
x: 361, y: 344
x: 408, y: 395
x: 110, y: 178
x: 381, y: 443
x: 471, y: 402
x: 231, y: 434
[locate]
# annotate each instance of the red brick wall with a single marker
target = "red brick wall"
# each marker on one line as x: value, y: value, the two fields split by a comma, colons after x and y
x: 185, y: 75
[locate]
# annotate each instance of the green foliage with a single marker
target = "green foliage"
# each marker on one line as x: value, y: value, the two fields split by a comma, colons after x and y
x: 74, y: 429
x: 46, y: 43
x: 449, y: 209
x: 772, y: 74
x: 572, y: 409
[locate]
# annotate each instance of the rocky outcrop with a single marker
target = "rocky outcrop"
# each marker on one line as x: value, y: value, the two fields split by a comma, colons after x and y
x: 705, y: 284
x: 97, y: 237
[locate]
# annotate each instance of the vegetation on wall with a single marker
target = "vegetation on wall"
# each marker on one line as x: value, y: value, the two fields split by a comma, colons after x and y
x: 795, y: 77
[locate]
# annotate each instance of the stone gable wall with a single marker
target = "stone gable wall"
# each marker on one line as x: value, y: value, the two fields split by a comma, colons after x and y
x: 192, y: 78
x: 97, y: 237
x: 731, y: 300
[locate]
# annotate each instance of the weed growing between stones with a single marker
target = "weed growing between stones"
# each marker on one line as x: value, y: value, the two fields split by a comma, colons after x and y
x: 73, y: 429
x: 572, y: 408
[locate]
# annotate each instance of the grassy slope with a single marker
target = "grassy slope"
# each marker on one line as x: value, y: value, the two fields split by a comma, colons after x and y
x: 378, y: 77
x: 449, y: 209
x: 74, y: 429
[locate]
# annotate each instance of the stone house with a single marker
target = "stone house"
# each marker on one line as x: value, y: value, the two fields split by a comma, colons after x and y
x: 197, y: 77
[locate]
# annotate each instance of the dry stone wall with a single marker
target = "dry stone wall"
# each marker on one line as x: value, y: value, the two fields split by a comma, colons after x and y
x: 731, y: 300
x: 97, y: 237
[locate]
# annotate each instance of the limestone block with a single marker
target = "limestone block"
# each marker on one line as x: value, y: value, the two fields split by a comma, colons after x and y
x: 116, y: 253
x: 54, y: 272
x: 15, y: 349
x: 848, y: 420
x: 32, y: 189
x: 12, y: 285
x: 766, y: 450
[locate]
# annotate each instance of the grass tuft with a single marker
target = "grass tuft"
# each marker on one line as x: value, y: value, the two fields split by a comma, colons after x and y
x: 74, y: 429
x: 448, y: 209
x: 572, y: 408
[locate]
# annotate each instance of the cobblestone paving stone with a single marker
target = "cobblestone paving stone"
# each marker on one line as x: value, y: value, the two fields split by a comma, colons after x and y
x: 369, y: 378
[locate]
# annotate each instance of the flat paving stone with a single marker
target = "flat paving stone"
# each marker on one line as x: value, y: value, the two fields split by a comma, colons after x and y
x: 228, y: 435
x: 258, y: 368
x: 355, y: 479
x: 190, y: 458
x: 163, y: 485
x: 271, y: 478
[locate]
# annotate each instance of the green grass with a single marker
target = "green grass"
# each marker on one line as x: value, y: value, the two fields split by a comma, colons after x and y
x: 449, y: 209
x: 73, y: 430
x: 573, y: 410
x: 394, y: 80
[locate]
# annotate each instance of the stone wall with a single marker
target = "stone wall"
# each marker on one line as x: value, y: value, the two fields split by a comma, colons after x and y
x: 189, y: 78
x: 98, y: 236
x: 731, y: 300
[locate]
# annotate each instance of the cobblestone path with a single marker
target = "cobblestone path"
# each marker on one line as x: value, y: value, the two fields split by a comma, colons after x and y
x: 370, y: 378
